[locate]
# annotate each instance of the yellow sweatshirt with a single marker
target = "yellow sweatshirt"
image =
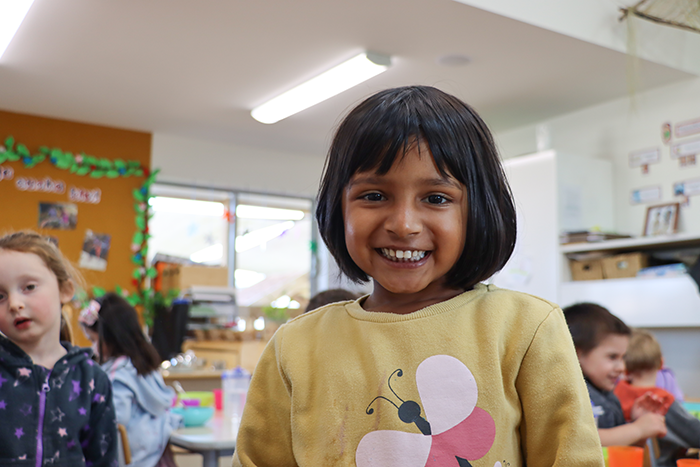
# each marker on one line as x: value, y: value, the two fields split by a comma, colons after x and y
x: 487, y: 378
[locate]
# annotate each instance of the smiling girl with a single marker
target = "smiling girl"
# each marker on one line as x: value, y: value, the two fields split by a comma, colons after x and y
x: 433, y: 367
x: 55, y: 403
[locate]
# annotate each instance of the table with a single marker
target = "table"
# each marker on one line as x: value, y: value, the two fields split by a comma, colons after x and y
x: 215, y: 439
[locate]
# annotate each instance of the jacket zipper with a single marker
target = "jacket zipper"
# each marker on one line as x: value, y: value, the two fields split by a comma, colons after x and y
x: 42, y: 409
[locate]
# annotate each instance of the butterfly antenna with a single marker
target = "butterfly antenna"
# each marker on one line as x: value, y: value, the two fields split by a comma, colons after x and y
x: 369, y: 411
x: 399, y: 373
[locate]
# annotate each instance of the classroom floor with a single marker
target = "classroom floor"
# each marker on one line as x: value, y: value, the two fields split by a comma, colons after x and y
x: 195, y: 460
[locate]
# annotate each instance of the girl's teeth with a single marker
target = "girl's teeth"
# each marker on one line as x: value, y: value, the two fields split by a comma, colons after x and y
x: 407, y: 255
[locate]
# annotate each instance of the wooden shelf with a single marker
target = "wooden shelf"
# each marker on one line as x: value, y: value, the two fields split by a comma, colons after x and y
x: 635, y: 244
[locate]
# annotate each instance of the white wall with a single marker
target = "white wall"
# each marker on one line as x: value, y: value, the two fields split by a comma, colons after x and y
x: 207, y: 163
x: 614, y: 129
x: 611, y: 131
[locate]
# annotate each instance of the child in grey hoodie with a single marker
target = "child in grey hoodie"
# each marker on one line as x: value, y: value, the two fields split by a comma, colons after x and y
x: 142, y: 401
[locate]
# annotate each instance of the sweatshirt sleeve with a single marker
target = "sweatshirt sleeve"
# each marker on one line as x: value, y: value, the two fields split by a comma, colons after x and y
x: 683, y: 425
x: 99, y: 437
x: 558, y: 428
x: 265, y: 437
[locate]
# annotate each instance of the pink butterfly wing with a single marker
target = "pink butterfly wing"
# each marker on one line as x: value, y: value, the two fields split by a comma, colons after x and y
x: 447, y: 391
x: 471, y: 439
x: 388, y: 448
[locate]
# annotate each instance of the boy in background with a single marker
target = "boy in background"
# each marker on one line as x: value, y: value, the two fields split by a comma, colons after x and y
x: 601, y: 341
x: 643, y: 360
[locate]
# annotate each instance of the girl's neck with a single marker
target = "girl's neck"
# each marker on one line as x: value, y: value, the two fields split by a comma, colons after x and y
x: 45, y: 354
x: 382, y: 300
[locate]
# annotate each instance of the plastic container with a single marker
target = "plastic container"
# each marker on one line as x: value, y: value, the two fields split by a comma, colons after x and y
x: 234, y: 385
x: 206, y: 398
x: 625, y: 456
x: 688, y: 462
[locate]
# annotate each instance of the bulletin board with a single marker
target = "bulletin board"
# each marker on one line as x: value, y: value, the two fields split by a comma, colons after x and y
x: 83, y: 185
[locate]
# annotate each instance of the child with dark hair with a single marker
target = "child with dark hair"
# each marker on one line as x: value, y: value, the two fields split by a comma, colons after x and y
x: 601, y: 341
x: 141, y: 399
x: 433, y: 367
x: 643, y: 360
x: 55, y: 403
x: 330, y: 296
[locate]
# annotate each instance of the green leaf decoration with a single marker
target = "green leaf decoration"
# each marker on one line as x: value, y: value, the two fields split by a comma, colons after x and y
x: 137, y: 273
x: 97, y: 174
x: 138, y: 172
x: 82, y: 171
x: 74, y: 168
x: 22, y: 150
x: 44, y: 150
x: 11, y: 156
x: 63, y: 163
x: 138, y: 196
x: 120, y: 164
x: 118, y: 289
x: 133, y: 300
x: 151, y: 272
x: 137, y: 238
x: 9, y: 143
x: 3, y: 157
x: 89, y: 160
x: 141, y: 223
x: 112, y: 174
x: 98, y: 292
x: 56, y: 153
x: 39, y: 158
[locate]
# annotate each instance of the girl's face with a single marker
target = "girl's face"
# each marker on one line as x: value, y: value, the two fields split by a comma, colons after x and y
x: 406, y: 229
x: 30, y: 300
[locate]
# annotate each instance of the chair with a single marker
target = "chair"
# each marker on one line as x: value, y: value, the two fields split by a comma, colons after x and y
x: 651, y: 452
x: 125, y: 451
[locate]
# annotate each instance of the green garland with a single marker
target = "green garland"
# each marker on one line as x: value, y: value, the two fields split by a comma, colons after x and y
x: 86, y: 165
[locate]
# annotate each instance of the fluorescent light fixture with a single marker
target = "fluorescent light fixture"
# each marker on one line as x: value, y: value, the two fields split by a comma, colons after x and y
x: 186, y: 206
x: 326, y: 85
x: 245, y: 278
x: 261, y: 236
x: 208, y: 254
x: 244, y: 211
x: 12, y: 13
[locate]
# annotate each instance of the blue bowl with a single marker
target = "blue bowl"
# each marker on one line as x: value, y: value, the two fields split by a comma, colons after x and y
x: 194, y: 416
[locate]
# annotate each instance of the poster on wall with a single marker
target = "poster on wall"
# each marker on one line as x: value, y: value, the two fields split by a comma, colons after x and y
x: 691, y: 127
x: 58, y: 216
x: 95, y: 251
x: 645, y: 195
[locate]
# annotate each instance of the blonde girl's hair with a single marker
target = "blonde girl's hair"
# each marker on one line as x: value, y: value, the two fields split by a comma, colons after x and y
x: 27, y: 241
x: 643, y: 352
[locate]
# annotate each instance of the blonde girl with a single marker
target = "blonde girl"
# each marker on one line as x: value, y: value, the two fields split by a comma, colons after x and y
x: 55, y: 403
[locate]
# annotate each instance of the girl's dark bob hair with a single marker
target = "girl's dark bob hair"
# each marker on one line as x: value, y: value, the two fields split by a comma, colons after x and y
x: 385, y: 127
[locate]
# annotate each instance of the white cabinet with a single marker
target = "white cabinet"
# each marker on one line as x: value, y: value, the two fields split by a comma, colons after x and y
x: 555, y: 193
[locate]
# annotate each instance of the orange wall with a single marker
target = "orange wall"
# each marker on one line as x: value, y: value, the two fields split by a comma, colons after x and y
x: 114, y: 214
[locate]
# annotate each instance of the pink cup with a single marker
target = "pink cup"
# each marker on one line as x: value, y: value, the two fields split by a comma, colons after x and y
x: 218, y: 399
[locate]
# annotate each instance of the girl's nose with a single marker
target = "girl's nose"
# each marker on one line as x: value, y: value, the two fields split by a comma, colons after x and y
x: 16, y: 302
x: 404, y: 220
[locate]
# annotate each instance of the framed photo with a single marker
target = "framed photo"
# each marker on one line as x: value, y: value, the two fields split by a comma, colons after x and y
x: 60, y: 216
x: 661, y: 219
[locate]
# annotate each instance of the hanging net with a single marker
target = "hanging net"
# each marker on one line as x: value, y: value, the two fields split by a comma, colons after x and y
x: 684, y: 14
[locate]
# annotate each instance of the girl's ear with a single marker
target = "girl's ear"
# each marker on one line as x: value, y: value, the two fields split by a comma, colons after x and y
x: 66, y: 291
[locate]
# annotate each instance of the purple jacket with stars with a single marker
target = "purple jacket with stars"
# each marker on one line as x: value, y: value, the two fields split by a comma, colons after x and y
x: 62, y: 417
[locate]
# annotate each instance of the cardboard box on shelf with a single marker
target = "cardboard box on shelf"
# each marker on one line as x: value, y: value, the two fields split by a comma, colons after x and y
x: 181, y: 277
x: 586, y: 270
x: 625, y: 265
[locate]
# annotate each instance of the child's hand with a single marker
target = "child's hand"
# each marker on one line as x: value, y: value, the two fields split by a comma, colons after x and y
x: 648, y: 403
x: 651, y: 424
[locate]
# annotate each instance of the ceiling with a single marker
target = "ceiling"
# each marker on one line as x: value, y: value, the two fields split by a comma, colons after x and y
x: 195, y: 69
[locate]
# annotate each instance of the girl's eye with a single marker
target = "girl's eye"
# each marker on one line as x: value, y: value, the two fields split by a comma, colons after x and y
x: 373, y: 197
x: 437, y: 199
x: 31, y: 287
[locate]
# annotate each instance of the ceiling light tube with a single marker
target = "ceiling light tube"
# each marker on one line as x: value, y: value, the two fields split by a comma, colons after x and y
x: 326, y: 85
x: 12, y: 13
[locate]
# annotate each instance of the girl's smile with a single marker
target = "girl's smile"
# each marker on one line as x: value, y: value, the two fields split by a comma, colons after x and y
x: 406, y: 229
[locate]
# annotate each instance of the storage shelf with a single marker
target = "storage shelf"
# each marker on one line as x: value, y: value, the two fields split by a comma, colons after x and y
x: 634, y: 244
